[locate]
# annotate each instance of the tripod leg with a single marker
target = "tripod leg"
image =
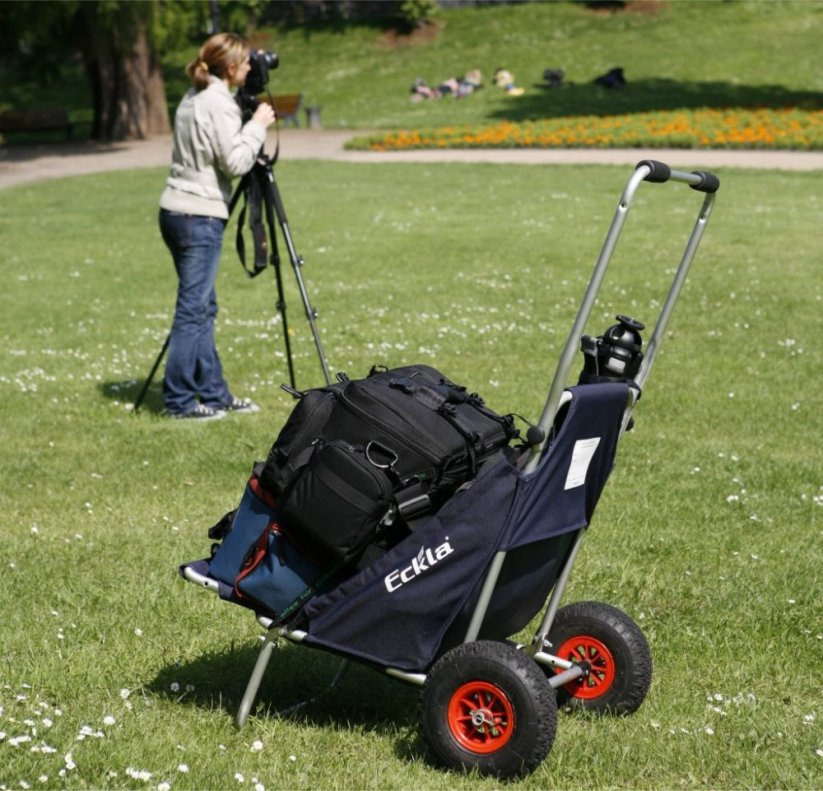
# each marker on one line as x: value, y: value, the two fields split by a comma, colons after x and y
x: 281, y: 297
x: 281, y: 307
x: 153, y: 371
x: 273, y: 198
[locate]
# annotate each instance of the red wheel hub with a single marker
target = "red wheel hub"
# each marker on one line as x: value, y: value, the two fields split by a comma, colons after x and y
x: 599, y: 663
x: 481, y: 717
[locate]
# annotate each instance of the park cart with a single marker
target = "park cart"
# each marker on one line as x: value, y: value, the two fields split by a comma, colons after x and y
x: 438, y: 609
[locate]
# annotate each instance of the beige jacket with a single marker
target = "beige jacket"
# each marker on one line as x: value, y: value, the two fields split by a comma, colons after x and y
x: 211, y: 145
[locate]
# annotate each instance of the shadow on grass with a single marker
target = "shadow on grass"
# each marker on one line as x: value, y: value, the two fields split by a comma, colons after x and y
x: 297, y: 687
x: 573, y: 99
x: 130, y: 391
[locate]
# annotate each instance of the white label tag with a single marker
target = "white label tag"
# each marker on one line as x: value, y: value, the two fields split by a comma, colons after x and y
x: 581, y: 458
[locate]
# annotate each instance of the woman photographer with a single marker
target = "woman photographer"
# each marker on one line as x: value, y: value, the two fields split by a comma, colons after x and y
x: 211, y: 145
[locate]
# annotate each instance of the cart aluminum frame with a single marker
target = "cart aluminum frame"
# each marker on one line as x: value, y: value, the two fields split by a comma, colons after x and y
x: 560, y: 671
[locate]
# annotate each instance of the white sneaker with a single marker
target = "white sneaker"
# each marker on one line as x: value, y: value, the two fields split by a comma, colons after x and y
x: 242, y: 405
x: 200, y: 412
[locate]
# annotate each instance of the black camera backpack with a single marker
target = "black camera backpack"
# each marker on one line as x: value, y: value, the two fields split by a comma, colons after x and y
x: 355, y: 455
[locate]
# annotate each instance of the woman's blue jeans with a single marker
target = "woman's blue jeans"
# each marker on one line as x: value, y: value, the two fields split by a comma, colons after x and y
x: 193, y: 369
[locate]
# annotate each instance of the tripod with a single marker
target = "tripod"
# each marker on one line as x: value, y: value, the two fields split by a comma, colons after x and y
x: 260, y: 181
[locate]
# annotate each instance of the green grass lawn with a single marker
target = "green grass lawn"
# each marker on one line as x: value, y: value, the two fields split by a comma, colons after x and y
x: 117, y: 674
x: 675, y: 55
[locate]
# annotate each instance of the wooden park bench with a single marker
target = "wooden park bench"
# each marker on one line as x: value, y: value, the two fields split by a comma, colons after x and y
x: 287, y: 106
x: 36, y: 119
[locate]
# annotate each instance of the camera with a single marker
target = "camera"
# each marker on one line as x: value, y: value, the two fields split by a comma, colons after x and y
x: 260, y: 64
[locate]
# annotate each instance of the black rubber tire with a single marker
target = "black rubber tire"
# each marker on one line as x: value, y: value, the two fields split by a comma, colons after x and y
x: 482, y: 679
x: 616, y: 649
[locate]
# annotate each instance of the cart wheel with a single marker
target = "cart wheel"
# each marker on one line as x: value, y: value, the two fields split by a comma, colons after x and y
x: 614, y: 651
x: 488, y: 706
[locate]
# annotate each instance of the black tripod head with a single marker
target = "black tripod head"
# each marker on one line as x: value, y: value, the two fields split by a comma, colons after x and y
x: 615, y: 355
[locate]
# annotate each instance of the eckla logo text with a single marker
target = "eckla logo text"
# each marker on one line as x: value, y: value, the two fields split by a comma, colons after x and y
x: 426, y: 558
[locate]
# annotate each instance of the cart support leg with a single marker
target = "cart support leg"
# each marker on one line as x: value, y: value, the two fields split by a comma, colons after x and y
x: 557, y: 593
x: 485, y: 597
x: 256, y: 678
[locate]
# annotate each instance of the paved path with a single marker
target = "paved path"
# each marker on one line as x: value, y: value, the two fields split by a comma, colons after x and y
x: 23, y: 164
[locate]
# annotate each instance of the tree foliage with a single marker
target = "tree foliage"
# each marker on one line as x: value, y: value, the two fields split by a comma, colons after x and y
x: 120, y: 45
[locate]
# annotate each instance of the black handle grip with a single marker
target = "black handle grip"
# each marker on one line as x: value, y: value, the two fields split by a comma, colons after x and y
x: 658, y: 171
x: 708, y: 181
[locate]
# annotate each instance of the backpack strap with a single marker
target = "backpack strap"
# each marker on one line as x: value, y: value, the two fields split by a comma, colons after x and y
x: 412, y: 501
x: 219, y: 531
x: 290, y: 609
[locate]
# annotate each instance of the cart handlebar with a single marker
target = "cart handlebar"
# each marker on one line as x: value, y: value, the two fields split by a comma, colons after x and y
x: 656, y: 172
x: 660, y: 172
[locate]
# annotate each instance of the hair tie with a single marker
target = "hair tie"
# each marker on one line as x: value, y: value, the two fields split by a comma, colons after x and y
x: 204, y: 66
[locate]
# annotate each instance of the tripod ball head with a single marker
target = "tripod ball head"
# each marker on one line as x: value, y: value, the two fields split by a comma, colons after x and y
x: 615, y: 355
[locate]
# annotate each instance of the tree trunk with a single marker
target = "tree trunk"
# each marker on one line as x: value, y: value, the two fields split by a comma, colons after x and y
x: 140, y: 106
x: 128, y: 89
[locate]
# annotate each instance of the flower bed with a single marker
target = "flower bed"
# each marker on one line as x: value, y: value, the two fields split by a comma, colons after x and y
x: 787, y: 128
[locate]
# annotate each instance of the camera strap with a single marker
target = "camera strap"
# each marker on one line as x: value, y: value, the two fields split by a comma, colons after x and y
x: 252, y: 191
